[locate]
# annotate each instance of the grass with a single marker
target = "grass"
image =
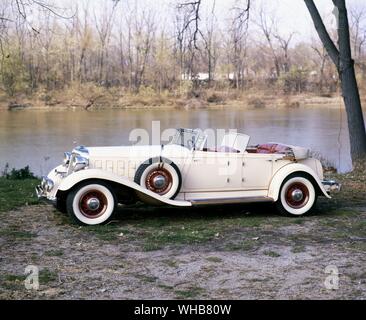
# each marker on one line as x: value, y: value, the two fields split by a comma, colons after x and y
x: 12, y: 282
x: 229, y: 227
x: 171, y: 263
x: 16, y: 234
x: 214, y: 259
x: 15, y: 282
x: 160, y: 227
x: 54, y: 253
x: 190, y: 293
x: 145, y: 278
x: 298, y: 249
x: 13, y: 277
x: 240, y: 246
x: 17, y: 193
x: 234, y: 228
x: 151, y: 247
x: 165, y: 287
x: 46, y: 276
x: 353, y: 191
x: 298, y: 221
x: 272, y: 254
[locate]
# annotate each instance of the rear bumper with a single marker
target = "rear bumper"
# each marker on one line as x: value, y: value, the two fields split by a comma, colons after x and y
x: 331, y: 186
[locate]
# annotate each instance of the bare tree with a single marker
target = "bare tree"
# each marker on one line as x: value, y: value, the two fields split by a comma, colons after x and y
x: 192, y: 12
x: 267, y: 25
x: 188, y: 33
x: 322, y: 55
x: 239, y: 35
x: 23, y: 8
x: 344, y: 63
x: 104, y: 27
x: 209, y: 43
x: 141, y: 35
x: 358, y: 37
x: 84, y: 37
x: 284, y: 43
x: 358, y: 32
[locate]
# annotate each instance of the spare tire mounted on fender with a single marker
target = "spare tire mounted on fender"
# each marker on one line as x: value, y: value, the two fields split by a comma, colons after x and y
x: 159, y: 175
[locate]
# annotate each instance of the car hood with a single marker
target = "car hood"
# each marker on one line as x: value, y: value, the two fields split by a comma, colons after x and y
x: 124, y: 151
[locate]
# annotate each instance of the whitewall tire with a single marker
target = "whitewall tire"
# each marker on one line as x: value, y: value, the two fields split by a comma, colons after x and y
x: 161, y: 176
x: 91, y: 203
x: 297, y: 196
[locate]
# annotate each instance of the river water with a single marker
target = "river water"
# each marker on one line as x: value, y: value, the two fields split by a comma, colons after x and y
x: 39, y: 138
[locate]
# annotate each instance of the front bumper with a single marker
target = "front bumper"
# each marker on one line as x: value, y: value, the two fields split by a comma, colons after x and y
x: 331, y: 186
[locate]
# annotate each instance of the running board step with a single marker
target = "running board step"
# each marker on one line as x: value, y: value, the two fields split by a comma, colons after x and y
x: 230, y: 200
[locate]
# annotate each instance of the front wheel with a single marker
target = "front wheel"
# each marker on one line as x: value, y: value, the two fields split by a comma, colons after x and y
x: 297, y: 196
x: 91, y: 203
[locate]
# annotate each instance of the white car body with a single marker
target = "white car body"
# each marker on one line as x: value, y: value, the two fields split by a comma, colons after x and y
x: 233, y: 173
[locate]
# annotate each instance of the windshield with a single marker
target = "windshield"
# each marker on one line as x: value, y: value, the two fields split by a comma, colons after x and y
x: 189, y: 138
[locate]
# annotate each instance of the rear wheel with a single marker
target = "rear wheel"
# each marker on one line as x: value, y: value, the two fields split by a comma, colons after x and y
x: 297, y: 196
x: 91, y: 203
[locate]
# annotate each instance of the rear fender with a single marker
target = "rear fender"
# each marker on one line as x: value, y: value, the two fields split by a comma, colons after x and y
x: 284, y: 172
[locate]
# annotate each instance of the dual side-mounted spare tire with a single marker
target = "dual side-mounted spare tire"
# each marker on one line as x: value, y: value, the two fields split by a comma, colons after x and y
x: 159, y: 175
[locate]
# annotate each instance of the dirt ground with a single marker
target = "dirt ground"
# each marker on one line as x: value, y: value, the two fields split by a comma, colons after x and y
x: 165, y: 253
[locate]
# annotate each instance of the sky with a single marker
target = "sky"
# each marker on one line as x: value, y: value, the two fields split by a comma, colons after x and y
x: 292, y: 15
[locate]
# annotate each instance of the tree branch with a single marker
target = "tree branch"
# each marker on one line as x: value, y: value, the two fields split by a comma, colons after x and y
x: 193, y: 17
x: 323, y: 33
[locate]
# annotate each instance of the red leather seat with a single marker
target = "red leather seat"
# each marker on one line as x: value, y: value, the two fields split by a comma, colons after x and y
x: 272, y: 148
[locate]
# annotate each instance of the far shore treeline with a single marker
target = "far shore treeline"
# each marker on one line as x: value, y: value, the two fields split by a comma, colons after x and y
x: 115, y: 53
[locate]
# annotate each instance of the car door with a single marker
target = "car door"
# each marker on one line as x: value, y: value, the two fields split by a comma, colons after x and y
x: 214, y: 171
x: 257, y: 171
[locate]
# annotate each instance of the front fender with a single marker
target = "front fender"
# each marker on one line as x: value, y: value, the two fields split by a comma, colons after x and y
x: 149, y: 196
x: 284, y: 172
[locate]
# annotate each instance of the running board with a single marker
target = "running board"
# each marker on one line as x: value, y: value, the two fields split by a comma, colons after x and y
x: 230, y: 200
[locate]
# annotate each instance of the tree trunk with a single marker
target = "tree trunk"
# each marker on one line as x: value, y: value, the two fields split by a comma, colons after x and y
x: 355, y: 119
x: 345, y: 65
x: 351, y: 96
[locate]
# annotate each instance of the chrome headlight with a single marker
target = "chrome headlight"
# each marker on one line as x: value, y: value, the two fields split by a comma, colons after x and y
x: 67, y: 158
x: 79, y: 163
x: 47, y: 184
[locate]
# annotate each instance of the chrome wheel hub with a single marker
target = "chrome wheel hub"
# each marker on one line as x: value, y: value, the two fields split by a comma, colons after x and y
x: 297, y: 195
x: 93, y: 204
x: 159, y: 181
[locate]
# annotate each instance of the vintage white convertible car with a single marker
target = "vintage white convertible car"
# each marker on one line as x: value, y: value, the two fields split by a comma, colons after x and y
x: 92, y: 181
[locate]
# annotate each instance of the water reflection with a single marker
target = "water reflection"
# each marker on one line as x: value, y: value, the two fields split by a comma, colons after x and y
x: 29, y: 137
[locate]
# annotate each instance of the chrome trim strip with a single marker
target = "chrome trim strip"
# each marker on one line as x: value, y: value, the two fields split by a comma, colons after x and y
x: 231, y: 200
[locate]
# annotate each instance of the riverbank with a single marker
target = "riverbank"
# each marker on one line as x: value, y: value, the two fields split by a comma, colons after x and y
x: 231, y: 252
x: 92, y: 97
